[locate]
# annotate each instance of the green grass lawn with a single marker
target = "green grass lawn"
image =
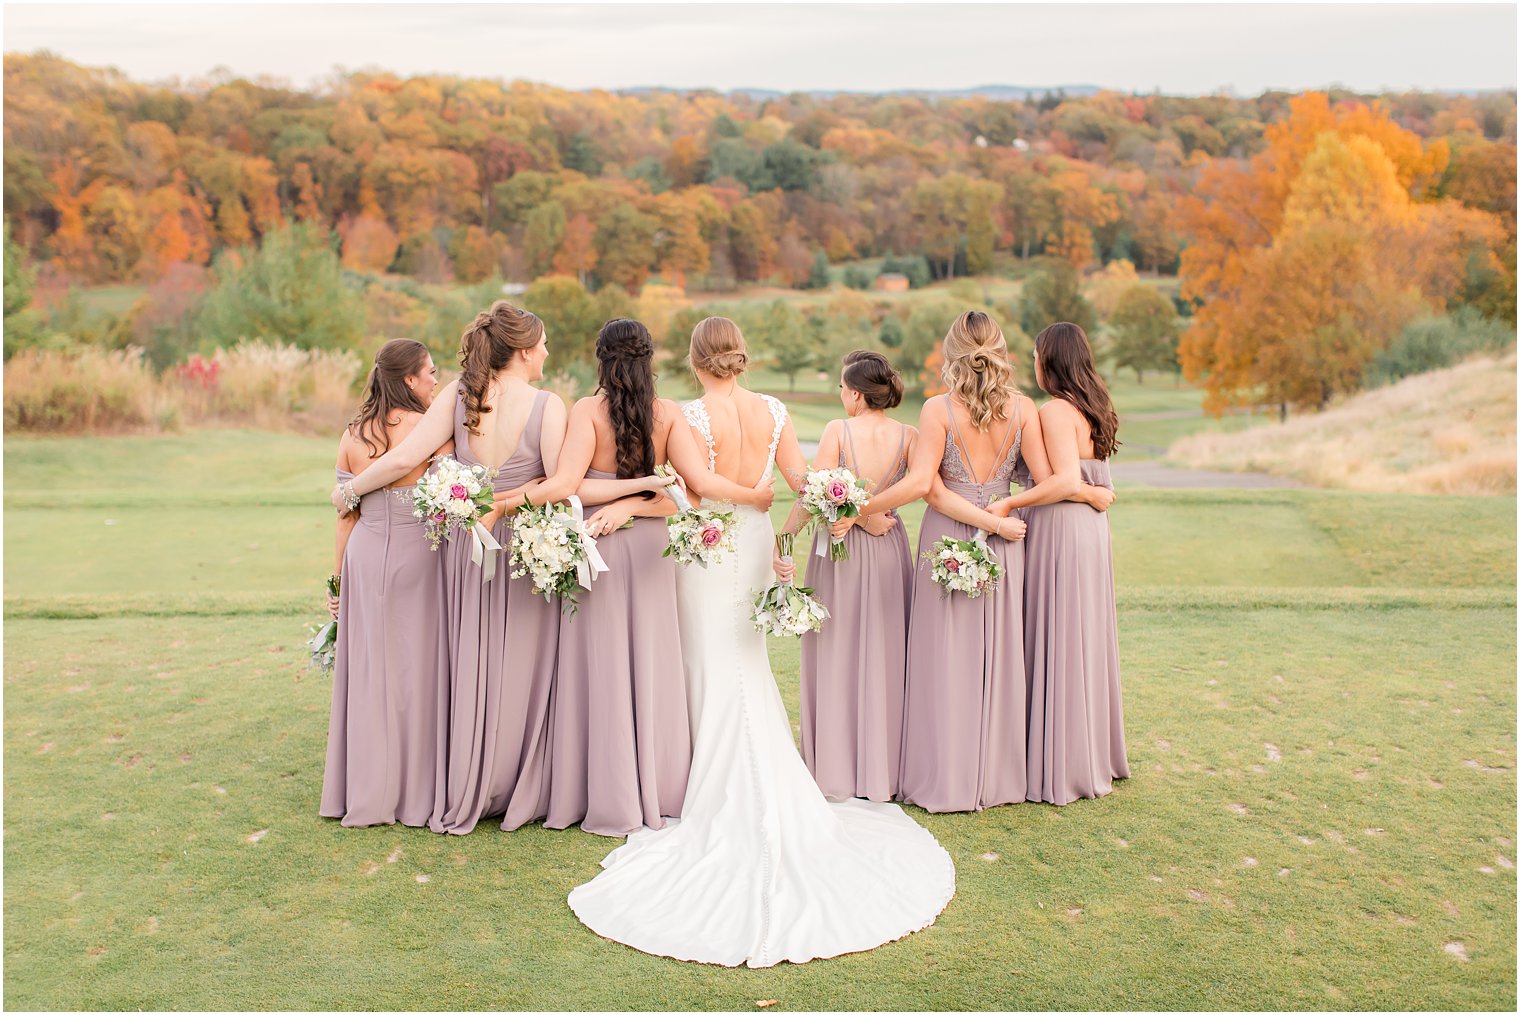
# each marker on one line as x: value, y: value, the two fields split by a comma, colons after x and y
x: 1320, y: 709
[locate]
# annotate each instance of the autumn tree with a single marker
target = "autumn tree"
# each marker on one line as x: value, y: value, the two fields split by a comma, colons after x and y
x: 1052, y: 294
x: 625, y: 246
x: 784, y: 339
x: 289, y: 290
x: 577, y: 250
x: 1309, y: 258
x: 1144, y: 331
x: 542, y: 237
x: 571, y: 318
x: 369, y: 243
x: 473, y: 254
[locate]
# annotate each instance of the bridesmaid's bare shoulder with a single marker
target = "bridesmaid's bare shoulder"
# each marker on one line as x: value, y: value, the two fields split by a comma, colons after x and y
x: 1059, y: 410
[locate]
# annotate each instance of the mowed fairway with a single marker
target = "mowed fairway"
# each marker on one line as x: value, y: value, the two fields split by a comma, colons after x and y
x: 1320, y: 705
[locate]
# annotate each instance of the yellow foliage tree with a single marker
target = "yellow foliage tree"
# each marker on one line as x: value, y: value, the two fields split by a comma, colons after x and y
x: 1311, y: 256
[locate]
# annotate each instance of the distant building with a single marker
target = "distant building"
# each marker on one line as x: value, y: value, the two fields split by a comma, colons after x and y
x: 890, y: 282
x: 513, y: 289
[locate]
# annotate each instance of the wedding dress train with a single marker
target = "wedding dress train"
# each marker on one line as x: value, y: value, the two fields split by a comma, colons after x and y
x: 760, y: 868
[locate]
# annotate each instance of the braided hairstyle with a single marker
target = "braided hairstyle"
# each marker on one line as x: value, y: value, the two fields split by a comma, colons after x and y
x: 625, y: 375
x: 486, y: 346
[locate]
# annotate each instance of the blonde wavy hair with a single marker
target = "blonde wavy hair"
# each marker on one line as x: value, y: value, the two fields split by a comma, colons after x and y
x: 976, y: 370
x: 717, y: 348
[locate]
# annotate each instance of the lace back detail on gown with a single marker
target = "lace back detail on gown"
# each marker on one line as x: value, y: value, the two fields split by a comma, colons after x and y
x: 955, y: 468
x: 696, y: 414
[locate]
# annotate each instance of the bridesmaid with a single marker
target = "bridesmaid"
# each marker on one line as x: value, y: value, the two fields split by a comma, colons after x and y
x: 503, y: 639
x: 963, y: 741
x: 384, y: 736
x: 853, y: 670
x: 1071, y: 644
x: 620, y: 741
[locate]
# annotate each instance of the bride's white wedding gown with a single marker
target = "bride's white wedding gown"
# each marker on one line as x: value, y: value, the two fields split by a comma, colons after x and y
x: 760, y: 868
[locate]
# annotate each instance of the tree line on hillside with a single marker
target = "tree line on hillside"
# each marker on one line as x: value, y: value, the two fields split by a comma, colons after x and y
x: 1309, y: 232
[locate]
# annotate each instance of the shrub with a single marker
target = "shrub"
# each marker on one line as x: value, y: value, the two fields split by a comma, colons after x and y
x: 1431, y: 343
x: 915, y: 267
x: 857, y: 277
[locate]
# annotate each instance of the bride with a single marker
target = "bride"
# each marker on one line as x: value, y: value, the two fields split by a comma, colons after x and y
x: 760, y: 868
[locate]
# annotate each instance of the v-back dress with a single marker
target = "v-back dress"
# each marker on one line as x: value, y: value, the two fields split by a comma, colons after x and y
x: 964, y: 712
x: 854, y: 669
x: 505, y: 643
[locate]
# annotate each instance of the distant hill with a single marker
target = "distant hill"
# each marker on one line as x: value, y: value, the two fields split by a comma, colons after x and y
x: 1447, y: 431
x: 997, y: 93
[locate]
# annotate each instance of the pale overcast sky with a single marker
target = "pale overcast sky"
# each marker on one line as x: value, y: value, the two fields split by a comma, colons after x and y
x: 1178, y: 48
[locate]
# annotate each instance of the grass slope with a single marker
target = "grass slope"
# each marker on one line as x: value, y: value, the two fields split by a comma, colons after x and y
x: 1447, y: 431
x: 1320, y: 709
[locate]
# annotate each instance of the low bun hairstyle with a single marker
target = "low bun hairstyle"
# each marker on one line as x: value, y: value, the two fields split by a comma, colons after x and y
x: 385, y: 392
x: 872, y: 375
x: 717, y: 348
x: 625, y: 375
x: 486, y: 346
x: 976, y: 370
x: 1067, y: 372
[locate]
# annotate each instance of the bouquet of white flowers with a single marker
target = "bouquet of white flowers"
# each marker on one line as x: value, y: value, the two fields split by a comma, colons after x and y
x: 450, y: 497
x: 829, y: 495
x: 785, y: 610
x: 697, y: 536
x: 964, y: 565
x: 324, y: 641
x: 550, y: 544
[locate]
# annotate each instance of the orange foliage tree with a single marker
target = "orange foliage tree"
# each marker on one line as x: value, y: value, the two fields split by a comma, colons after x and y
x: 1310, y: 257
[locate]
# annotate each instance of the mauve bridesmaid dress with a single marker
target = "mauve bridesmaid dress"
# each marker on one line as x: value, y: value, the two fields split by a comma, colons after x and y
x: 1071, y: 646
x: 504, y: 642
x: 853, y: 670
x: 964, y: 716
x: 385, y: 736
x: 620, y: 740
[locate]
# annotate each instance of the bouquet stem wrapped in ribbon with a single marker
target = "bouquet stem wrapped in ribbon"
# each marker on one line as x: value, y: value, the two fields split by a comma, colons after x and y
x: 453, y: 496
x: 829, y: 495
x: 964, y: 565
x: 324, y: 642
x: 550, y: 544
x: 785, y: 610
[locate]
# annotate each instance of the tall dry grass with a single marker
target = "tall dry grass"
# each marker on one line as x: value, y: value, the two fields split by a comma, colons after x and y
x: 85, y: 389
x: 271, y: 385
x: 256, y: 384
x: 1447, y: 431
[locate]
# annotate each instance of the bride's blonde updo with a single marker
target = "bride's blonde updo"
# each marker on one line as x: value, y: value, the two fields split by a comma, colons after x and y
x: 717, y: 348
x: 976, y: 369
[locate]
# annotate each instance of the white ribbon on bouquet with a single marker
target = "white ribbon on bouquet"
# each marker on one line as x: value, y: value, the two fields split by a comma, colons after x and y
x: 591, y: 564
x: 821, y: 548
x: 483, y: 549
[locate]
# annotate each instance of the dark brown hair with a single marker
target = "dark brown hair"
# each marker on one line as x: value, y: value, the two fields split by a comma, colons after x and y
x: 872, y: 375
x: 386, y: 392
x: 625, y: 374
x: 1067, y: 372
x: 486, y: 346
